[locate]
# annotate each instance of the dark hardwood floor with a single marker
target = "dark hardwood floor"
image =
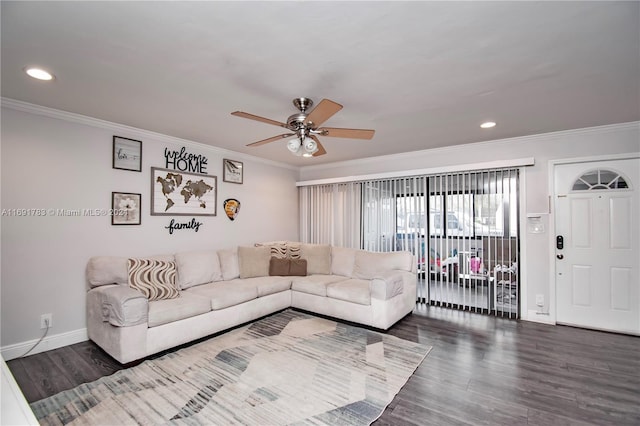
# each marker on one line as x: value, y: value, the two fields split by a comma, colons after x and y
x: 482, y: 370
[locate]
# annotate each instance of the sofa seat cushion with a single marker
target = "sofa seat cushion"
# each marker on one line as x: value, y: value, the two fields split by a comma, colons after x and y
x: 269, y: 285
x: 353, y: 290
x: 170, y: 310
x: 226, y: 293
x: 315, y: 284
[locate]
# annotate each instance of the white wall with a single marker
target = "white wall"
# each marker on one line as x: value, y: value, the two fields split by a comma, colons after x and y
x: 537, y: 248
x: 61, y: 163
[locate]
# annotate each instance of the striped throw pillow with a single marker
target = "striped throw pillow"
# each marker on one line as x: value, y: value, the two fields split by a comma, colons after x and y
x: 156, y: 279
x: 282, y: 249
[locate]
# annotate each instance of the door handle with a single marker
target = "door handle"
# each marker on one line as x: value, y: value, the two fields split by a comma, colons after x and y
x: 559, y: 256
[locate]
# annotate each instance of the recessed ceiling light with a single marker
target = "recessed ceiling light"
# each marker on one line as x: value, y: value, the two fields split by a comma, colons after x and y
x: 39, y: 73
x: 488, y: 124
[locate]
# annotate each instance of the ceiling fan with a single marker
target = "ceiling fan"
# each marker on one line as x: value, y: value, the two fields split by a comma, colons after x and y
x: 305, y: 127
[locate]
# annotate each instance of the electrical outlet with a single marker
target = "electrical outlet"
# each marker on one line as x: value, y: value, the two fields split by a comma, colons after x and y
x: 46, y: 320
x: 540, y: 299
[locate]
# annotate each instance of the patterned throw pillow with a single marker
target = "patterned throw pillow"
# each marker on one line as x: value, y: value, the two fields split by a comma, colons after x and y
x: 282, y: 249
x: 279, y: 250
x: 156, y: 279
x: 293, y: 251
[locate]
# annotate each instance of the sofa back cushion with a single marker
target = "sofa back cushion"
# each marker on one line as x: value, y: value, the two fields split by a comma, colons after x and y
x: 318, y: 257
x: 369, y: 265
x: 342, y: 260
x: 254, y: 261
x: 229, y: 264
x: 156, y: 279
x: 197, y: 267
x: 106, y: 270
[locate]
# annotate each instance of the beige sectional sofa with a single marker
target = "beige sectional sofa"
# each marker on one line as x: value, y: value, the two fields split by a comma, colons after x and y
x: 217, y: 290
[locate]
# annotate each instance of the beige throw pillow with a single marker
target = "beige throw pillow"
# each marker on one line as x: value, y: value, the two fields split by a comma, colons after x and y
x: 254, y: 261
x: 153, y: 278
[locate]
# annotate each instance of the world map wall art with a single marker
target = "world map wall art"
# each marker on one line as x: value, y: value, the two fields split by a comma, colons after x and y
x: 176, y: 193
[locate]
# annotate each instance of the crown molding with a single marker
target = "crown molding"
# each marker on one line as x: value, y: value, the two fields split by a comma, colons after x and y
x: 447, y: 149
x: 132, y: 131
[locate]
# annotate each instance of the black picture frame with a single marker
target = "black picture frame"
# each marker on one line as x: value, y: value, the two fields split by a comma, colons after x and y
x: 232, y: 171
x: 126, y: 208
x: 127, y: 154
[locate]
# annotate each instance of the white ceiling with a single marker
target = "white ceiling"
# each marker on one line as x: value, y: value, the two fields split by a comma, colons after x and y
x: 422, y: 74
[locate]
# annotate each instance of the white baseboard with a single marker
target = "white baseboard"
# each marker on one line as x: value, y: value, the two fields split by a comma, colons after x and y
x: 535, y: 316
x: 48, y: 343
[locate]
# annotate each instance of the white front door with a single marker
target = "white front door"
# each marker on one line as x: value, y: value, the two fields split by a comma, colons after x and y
x: 597, y: 207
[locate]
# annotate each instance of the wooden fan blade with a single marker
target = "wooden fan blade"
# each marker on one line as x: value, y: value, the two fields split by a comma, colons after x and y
x: 258, y: 118
x: 275, y: 138
x: 321, y: 150
x: 322, y: 112
x: 336, y: 132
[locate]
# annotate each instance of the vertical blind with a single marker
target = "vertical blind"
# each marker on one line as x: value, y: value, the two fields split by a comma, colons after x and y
x: 461, y: 227
x: 330, y: 214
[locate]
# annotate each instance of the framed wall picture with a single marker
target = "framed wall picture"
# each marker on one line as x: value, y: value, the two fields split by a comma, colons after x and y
x: 127, y: 154
x: 176, y: 193
x: 232, y: 171
x: 125, y: 208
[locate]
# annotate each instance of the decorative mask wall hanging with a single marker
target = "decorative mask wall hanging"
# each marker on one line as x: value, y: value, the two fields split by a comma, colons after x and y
x: 231, y: 207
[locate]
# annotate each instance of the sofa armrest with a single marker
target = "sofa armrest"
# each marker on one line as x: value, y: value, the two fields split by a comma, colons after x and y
x: 388, y: 284
x: 119, y: 305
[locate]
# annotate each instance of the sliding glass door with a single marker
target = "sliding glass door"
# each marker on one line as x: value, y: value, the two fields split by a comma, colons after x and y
x: 461, y: 227
x: 473, y: 242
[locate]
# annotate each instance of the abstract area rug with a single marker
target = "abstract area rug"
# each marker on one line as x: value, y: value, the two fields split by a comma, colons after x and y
x: 289, y: 368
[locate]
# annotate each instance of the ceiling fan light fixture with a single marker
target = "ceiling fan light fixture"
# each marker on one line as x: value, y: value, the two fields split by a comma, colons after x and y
x: 294, y: 145
x: 310, y: 146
